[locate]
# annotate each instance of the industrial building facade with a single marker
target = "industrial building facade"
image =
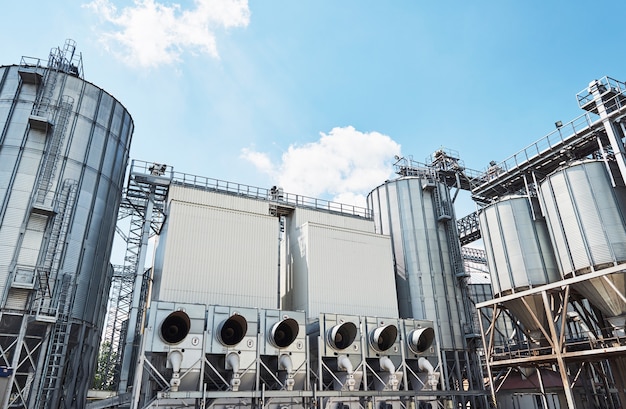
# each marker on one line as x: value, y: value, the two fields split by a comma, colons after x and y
x: 259, y: 298
x: 278, y: 296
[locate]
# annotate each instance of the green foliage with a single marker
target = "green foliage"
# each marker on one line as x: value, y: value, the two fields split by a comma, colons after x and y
x: 104, y: 378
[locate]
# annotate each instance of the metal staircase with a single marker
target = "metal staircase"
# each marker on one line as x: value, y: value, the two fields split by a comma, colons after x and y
x: 57, y: 347
x: 51, y: 155
x: 44, y: 308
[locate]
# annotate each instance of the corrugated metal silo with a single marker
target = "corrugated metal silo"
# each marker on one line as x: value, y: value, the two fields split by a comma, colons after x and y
x: 520, y: 255
x: 417, y: 212
x: 427, y: 286
x: 64, y: 146
x: 587, y: 223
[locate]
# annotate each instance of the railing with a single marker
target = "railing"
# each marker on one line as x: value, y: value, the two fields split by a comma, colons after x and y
x: 541, y: 146
x: 556, y: 138
x: 586, y: 96
x: 274, y: 194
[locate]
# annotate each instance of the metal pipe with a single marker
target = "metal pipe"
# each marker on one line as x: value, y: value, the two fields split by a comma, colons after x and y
x: 232, y: 361
x: 285, y: 363
x: 425, y: 366
x: 386, y: 364
x: 344, y: 364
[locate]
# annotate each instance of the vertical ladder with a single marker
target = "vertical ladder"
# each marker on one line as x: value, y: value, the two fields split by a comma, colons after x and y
x: 48, y: 166
x: 54, y: 251
x: 57, y: 347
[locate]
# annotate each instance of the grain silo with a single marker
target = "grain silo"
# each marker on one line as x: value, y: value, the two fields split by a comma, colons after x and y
x: 417, y: 212
x: 63, y: 152
x: 520, y: 257
x: 585, y: 213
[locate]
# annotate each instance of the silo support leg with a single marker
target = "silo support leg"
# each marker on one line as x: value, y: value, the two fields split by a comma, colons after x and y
x: 558, y: 353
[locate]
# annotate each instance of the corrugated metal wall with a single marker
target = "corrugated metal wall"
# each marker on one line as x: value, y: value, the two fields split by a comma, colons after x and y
x: 342, y: 271
x: 64, y: 147
x: 426, y: 283
x: 217, y: 249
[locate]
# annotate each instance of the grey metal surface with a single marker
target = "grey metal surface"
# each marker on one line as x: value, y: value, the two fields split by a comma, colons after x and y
x: 520, y: 256
x: 64, y: 147
x: 426, y: 283
x: 517, y: 244
x: 217, y: 248
x: 585, y: 214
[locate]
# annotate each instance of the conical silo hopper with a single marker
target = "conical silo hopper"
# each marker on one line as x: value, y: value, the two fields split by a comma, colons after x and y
x: 520, y: 257
x: 585, y: 214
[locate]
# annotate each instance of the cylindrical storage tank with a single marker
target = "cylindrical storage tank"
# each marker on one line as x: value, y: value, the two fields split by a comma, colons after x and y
x: 417, y: 212
x: 414, y: 212
x: 519, y: 255
x: 586, y: 218
x: 64, y: 147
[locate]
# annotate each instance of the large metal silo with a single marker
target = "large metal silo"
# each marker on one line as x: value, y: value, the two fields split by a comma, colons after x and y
x: 585, y: 213
x: 64, y: 146
x: 520, y: 256
x: 417, y: 212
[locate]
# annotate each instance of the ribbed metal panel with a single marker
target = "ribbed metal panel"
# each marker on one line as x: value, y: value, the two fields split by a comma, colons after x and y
x: 519, y: 254
x: 342, y: 271
x: 31, y: 244
x: 585, y: 215
x: 303, y: 215
x: 222, y: 200
x: 61, y: 183
x: 216, y: 255
x: 427, y: 286
x: 517, y: 244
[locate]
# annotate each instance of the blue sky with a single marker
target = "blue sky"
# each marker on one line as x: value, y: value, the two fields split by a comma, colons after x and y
x: 318, y: 96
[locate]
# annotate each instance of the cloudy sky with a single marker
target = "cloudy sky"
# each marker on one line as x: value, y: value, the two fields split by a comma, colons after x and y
x: 319, y: 96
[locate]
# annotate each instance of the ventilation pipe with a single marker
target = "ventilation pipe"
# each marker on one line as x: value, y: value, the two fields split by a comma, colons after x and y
x: 419, y: 340
x: 284, y: 333
x: 174, y: 359
x: 342, y: 336
x: 390, y: 381
x: 386, y: 364
x: 433, y: 377
x: 175, y: 327
x: 383, y: 338
x: 344, y: 364
x: 285, y: 364
x: 232, y: 362
x: 232, y: 330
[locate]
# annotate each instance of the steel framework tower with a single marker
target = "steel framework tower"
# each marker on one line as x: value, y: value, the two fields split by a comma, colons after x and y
x: 143, y: 206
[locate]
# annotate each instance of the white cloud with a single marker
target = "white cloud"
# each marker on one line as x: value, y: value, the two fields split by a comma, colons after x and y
x: 344, y: 164
x: 149, y: 33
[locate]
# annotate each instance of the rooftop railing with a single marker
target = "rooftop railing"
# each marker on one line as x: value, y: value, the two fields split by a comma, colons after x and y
x: 274, y: 194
